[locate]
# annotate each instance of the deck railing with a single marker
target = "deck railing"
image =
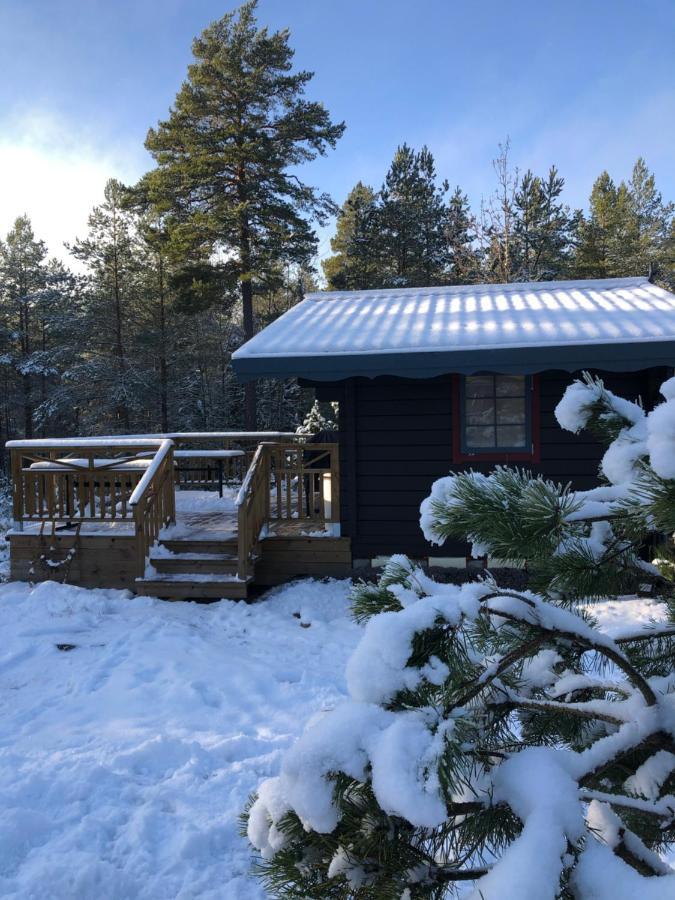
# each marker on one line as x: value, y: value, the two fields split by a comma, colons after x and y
x: 287, y: 482
x: 305, y: 483
x: 153, y: 502
x: 77, y: 480
x: 252, y: 511
x: 132, y: 479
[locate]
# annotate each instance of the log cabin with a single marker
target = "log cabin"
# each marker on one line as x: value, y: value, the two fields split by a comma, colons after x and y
x: 443, y: 379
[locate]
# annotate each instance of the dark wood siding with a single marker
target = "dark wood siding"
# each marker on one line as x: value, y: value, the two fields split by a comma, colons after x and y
x: 396, y: 439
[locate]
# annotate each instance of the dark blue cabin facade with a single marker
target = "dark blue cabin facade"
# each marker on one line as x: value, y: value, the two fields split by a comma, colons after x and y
x: 437, y: 380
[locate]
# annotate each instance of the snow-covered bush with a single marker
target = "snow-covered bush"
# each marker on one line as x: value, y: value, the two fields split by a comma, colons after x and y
x: 316, y: 420
x: 495, y: 740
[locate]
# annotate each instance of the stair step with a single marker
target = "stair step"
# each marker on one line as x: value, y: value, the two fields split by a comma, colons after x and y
x: 178, y: 586
x: 198, y: 563
x: 184, y: 545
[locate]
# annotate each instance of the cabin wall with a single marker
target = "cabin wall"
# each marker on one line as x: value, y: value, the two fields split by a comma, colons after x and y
x: 396, y: 439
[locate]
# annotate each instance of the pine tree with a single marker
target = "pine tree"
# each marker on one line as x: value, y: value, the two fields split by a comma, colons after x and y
x: 357, y: 263
x: 227, y: 156
x: 629, y: 231
x: 608, y: 231
x: 543, y: 228
x: 494, y: 736
x: 652, y: 247
x: 413, y: 220
x: 23, y: 277
x: 464, y: 261
x: 111, y: 253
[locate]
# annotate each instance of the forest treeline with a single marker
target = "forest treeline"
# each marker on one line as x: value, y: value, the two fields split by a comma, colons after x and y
x: 174, y: 273
x: 414, y: 231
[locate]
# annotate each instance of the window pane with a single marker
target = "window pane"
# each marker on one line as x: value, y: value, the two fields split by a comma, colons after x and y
x: 511, y: 411
x: 480, y: 437
x: 510, y: 385
x: 479, y: 386
x: 480, y: 412
x: 511, y: 436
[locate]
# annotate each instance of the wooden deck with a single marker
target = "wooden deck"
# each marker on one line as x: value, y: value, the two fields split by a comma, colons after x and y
x: 111, y: 523
x: 198, y: 557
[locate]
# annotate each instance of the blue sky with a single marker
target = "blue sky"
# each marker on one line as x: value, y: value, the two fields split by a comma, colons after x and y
x: 586, y: 85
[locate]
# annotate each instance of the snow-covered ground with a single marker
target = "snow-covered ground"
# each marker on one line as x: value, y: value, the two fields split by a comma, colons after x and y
x: 126, y: 760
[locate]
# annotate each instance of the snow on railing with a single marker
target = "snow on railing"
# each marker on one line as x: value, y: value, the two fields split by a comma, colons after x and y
x: 153, y: 501
x: 178, y: 436
x: 248, y: 477
x: 150, y: 473
x: 252, y: 505
x: 84, y: 443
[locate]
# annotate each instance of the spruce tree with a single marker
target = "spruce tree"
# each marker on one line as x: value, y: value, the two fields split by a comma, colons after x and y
x: 493, y: 736
x: 227, y: 156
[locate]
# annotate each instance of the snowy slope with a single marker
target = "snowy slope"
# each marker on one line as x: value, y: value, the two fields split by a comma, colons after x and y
x: 125, y: 762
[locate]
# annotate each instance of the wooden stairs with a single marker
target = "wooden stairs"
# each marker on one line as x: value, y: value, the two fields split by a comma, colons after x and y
x: 194, y: 569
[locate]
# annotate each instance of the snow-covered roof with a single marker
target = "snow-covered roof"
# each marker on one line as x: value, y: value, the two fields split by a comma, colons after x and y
x: 618, y: 324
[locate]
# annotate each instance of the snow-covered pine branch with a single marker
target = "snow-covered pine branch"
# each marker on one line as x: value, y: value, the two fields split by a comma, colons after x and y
x: 492, y: 736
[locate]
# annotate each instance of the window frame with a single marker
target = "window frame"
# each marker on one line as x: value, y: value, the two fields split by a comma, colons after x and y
x: 532, y: 423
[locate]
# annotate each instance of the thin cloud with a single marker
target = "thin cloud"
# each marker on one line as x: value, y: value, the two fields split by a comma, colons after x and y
x: 55, y: 172
x: 584, y: 139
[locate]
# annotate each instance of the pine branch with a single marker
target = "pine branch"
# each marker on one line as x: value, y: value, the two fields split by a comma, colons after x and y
x: 582, y: 711
x: 526, y: 649
x: 663, y: 809
x: 603, y: 649
x: 448, y: 873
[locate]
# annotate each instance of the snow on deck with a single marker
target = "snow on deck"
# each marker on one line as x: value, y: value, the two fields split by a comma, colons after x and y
x: 470, y: 317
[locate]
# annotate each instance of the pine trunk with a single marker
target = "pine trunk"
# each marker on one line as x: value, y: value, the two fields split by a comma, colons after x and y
x: 122, y: 410
x: 163, y: 373
x: 250, y: 392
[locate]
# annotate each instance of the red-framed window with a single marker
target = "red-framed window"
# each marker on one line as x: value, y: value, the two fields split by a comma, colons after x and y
x: 495, y: 418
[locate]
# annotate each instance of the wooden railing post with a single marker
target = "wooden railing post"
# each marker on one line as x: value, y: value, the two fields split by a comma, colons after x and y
x: 335, y: 484
x: 268, y: 482
x: 17, y: 489
x: 170, y: 487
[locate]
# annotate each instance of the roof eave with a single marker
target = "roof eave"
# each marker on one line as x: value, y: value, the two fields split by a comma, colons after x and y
x: 618, y: 357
